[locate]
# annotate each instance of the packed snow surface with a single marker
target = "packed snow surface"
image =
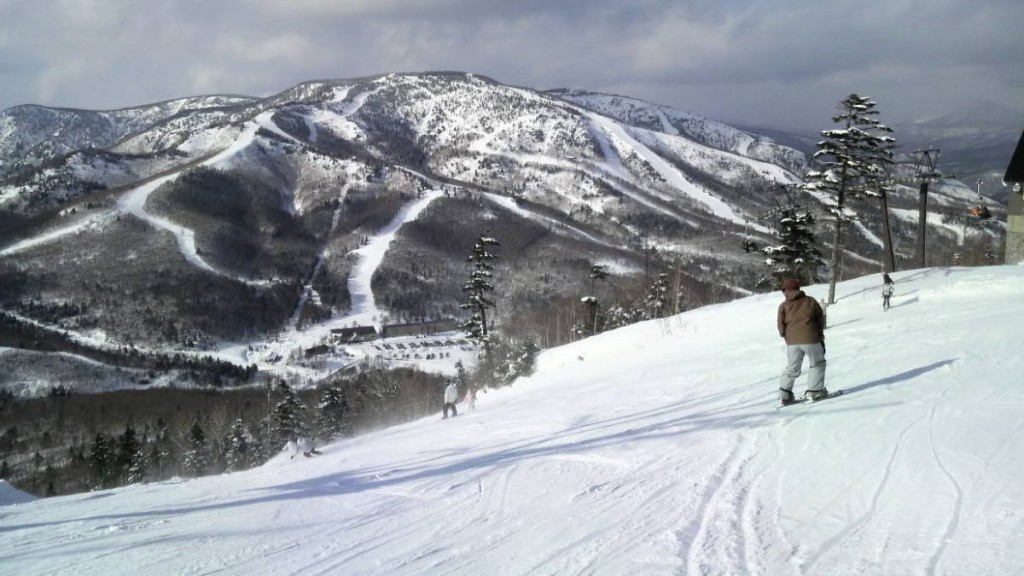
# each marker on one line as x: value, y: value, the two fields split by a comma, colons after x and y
x: 654, y: 449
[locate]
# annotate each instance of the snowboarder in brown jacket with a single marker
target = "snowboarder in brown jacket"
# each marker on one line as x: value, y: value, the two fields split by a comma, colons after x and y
x: 801, y: 321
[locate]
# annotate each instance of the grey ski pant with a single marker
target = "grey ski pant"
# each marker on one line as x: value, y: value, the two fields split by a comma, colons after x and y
x: 815, y: 371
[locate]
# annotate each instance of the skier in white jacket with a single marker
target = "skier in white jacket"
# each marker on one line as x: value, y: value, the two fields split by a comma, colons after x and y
x: 304, y: 445
x: 451, y: 394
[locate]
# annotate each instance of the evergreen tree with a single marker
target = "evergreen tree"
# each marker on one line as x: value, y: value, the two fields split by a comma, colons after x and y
x: 464, y: 382
x: 130, y: 460
x: 9, y: 439
x: 138, y: 468
x: 5, y: 470
x: 333, y: 411
x: 101, y: 462
x: 196, y: 457
x: 597, y: 272
x: 239, y: 447
x: 158, y: 458
x: 461, y: 375
x: 287, y: 419
x: 657, y: 297
x: 162, y: 432
x: 619, y: 315
x: 511, y: 359
x: 797, y: 256
x: 476, y: 289
x: 852, y: 159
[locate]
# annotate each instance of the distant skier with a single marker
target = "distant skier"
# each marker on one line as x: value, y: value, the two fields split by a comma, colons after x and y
x: 471, y: 396
x: 451, y: 395
x: 888, y: 287
x: 801, y: 321
x: 304, y: 445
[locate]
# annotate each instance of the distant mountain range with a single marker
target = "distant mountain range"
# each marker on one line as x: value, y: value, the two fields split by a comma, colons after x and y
x: 975, y: 142
x: 207, y: 221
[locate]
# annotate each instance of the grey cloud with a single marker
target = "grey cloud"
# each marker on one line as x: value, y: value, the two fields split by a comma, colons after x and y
x: 777, y: 61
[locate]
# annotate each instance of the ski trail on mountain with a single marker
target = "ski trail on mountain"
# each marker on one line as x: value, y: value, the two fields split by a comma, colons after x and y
x: 614, y: 170
x: 134, y: 202
x: 670, y: 173
x: 307, y: 288
x: 94, y: 222
x: 666, y: 124
x: 364, y: 307
x: 510, y: 205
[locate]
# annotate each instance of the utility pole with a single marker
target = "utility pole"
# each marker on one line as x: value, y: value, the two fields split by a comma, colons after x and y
x: 926, y: 173
x: 270, y: 414
x: 888, y: 260
x: 889, y: 256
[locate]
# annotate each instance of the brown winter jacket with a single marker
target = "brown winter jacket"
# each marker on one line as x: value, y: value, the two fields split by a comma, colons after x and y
x: 801, y: 320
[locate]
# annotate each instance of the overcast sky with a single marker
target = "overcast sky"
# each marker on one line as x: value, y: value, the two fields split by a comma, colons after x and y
x: 768, y: 62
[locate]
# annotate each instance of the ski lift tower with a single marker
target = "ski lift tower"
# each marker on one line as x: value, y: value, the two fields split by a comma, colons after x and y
x: 926, y: 174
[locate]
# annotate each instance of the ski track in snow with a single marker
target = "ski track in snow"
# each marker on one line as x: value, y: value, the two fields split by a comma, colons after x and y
x: 953, y: 526
x: 735, y: 524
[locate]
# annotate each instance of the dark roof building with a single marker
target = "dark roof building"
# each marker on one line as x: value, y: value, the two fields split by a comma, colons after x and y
x: 419, y: 328
x: 1015, y: 206
x: 353, y: 335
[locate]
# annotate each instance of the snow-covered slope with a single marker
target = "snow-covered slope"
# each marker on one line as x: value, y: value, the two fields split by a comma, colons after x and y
x: 715, y: 136
x: 654, y: 449
x: 31, y: 135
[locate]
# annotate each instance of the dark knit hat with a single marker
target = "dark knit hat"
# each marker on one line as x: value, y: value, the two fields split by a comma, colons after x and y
x: 791, y: 284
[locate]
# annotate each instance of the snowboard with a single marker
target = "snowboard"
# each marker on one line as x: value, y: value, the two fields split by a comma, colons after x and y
x: 831, y: 394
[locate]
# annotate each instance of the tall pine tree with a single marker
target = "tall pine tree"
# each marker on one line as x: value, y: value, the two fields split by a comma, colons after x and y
x: 850, y: 160
x: 333, y: 411
x: 288, y: 420
x: 197, y: 458
x: 477, y: 288
x: 239, y: 447
x: 131, y: 461
x: 101, y: 462
x: 657, y: 297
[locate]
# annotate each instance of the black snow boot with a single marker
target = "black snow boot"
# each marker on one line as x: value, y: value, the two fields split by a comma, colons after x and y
x: 786, y: 397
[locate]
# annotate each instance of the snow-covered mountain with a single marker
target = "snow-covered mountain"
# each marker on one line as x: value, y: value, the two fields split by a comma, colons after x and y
x: 221, y: 225
x: 32, y: 135
x: 653, y: 449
